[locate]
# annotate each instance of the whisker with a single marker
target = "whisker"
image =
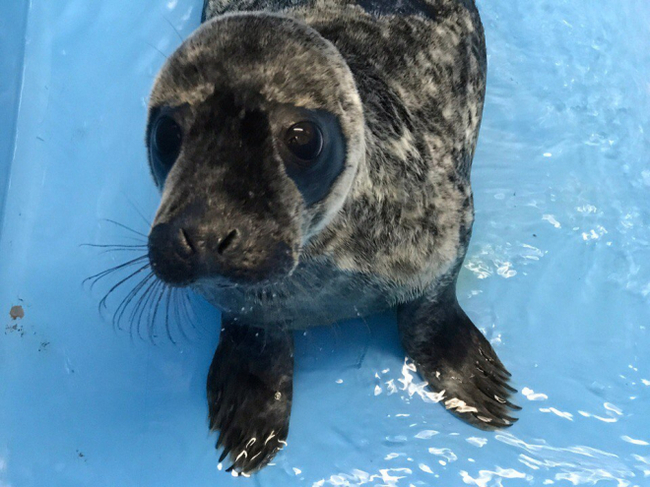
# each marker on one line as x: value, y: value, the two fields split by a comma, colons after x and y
x: 141, y: 305
x: 152, y: 323
x: 102, y: 303
x: 139, y: 309
x: 149, y: 306
x: 108, y: 251
x: 175, y: 307
x: 111, y: 246
x: 121, y: 309
x: 154, y: 47
x: 138, y: 302
x: 146, y: 221
x: 122, y: 225
x: 190, y: 311
x: 366, y: 347
x: 159, y: 291
x: 100, y: 275
x: 181, y: 305
x: 180, y: 323
x: 169, y: 334
x: 173, y: 27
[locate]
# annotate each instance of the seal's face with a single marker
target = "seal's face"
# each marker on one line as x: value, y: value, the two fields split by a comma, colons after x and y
x: 249, y: 163
x: 237, y: 176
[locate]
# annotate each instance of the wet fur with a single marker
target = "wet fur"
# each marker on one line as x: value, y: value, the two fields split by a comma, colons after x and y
x: 407, y: 219
x: 406, y: 80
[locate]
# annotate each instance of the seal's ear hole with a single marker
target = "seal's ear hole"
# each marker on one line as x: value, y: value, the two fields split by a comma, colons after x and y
x: 304, y: 140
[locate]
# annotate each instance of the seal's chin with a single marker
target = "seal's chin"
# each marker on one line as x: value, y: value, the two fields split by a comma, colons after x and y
x: 248, y: 283
x: 181, y: 258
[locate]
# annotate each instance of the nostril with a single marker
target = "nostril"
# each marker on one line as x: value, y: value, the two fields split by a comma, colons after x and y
x: 227, y: 240
x: 172, y: 256
x: 185, y: 241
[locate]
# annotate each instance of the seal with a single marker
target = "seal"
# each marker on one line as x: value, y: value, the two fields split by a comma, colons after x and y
x: 314, y: 162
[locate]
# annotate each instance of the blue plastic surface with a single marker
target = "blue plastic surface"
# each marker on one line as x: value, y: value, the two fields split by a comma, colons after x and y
x: 13, y: 17
x: 557, y: 274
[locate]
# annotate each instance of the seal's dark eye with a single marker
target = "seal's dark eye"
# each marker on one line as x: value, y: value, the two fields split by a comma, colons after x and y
x: 304, y: 140
x: 166, y: 139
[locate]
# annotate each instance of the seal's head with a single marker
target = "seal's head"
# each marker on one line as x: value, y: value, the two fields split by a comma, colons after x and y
x: 255, y: 134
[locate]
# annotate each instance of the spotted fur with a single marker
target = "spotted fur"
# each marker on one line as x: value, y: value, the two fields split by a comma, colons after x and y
x: 404, y: 214
x: 406, y: 81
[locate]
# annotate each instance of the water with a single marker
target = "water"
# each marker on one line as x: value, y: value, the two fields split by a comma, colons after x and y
x: 557, y: 274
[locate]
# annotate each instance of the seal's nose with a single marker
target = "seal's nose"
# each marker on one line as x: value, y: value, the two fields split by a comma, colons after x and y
x: 182, y: 252
x: 179, y: 254
x: 184, y: 243
x: 226, y: 243
x: 173, y: 254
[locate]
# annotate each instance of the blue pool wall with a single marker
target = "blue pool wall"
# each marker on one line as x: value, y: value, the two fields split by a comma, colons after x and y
x: 13, y: 18
x: 556, y: 276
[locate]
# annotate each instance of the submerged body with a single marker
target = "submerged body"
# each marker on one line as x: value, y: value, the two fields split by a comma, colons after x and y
x: 314, y: 160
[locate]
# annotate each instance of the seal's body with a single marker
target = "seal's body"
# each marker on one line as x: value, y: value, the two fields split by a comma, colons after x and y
x: 419, y: 69
x: 314, y: 160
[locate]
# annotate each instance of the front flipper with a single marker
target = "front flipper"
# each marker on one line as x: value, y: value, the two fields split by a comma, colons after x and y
x: 453, y: 356
x: 249, y: 394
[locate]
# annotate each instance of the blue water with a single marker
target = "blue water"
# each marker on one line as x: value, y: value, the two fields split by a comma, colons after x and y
x: 557, y: 275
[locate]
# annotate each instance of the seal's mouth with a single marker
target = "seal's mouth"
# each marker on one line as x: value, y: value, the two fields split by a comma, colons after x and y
x: 181, y: 255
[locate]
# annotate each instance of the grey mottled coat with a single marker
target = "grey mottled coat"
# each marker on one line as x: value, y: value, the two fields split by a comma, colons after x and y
x: 405, y: 81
